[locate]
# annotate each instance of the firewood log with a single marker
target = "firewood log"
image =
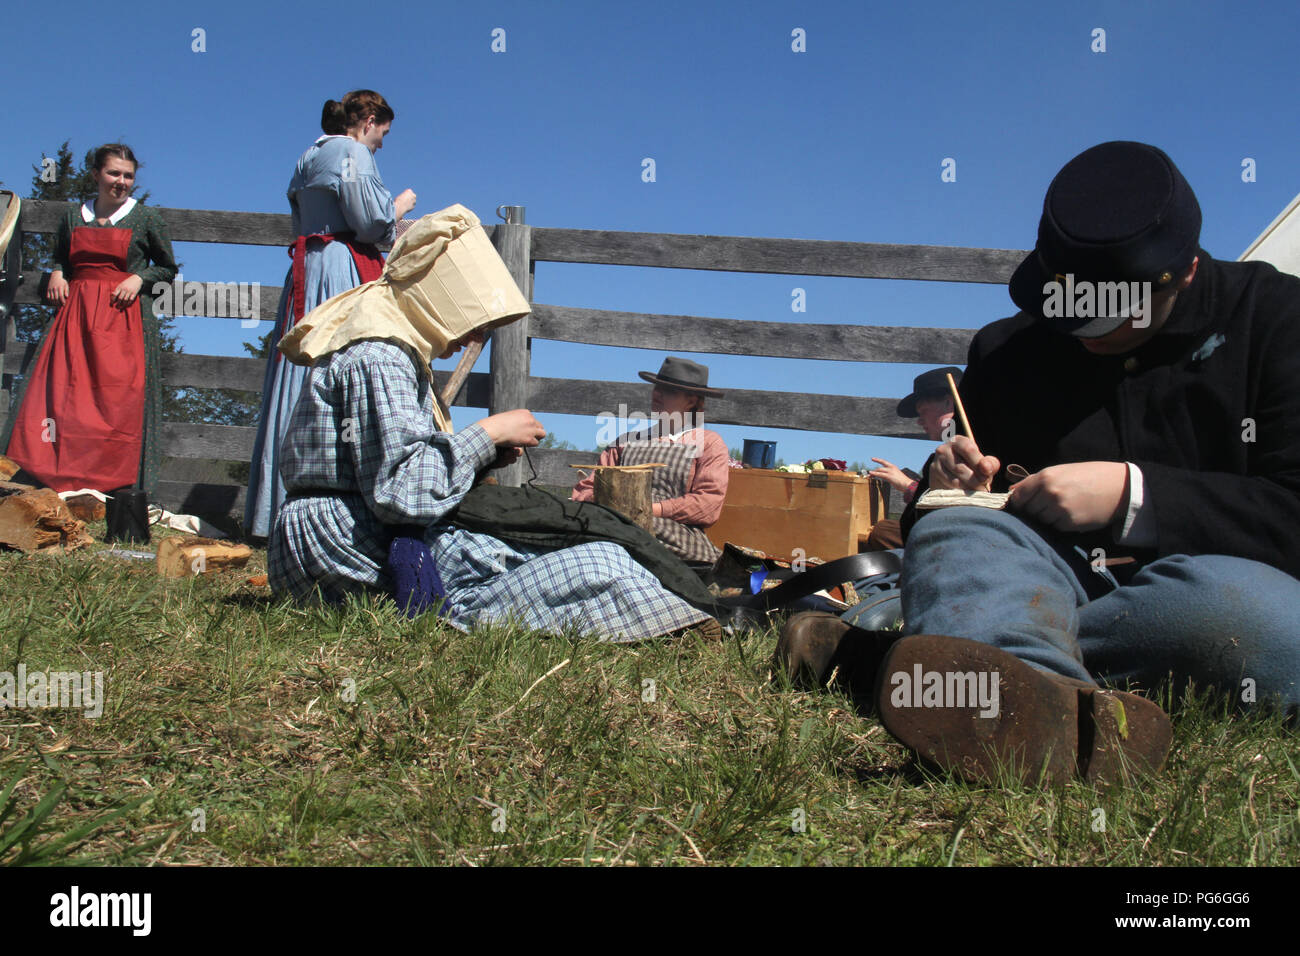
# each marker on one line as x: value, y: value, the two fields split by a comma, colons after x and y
x: 626, y: 491
x: 190, y: 555
x: 36, y: 519
x: 85, y: 507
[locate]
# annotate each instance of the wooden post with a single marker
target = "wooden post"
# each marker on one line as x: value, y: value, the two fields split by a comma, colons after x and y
x: 8, y: 331
x: 11, y: 267
x: 510, y: 351
x: 626, y: 491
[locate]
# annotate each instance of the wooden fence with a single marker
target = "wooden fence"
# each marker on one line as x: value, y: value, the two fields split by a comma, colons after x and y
x: 509, y: 383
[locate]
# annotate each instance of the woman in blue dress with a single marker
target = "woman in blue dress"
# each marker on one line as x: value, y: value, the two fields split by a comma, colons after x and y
x: 341, y: 211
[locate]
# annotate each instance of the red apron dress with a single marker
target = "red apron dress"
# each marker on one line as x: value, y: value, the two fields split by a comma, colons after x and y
x: 80, y: 424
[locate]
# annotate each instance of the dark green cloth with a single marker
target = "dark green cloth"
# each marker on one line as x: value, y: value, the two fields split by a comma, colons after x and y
x: 535, y: 518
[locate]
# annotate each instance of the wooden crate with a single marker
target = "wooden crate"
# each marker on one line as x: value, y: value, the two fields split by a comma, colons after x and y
x: 825, y: 513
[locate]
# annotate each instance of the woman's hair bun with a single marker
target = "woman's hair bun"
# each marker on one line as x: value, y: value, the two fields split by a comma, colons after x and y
x: 333, y: 118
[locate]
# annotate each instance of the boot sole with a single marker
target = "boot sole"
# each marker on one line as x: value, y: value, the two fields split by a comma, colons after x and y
x: 1042, y: 729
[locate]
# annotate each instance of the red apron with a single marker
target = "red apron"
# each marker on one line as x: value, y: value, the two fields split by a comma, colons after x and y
x: 82, y: 414
x: 365, y: 256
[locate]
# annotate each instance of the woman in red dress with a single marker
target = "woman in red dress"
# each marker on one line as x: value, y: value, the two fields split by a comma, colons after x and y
x: 90, y: 410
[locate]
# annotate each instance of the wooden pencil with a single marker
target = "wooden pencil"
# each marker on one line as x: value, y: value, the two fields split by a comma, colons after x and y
x: 961, y: 409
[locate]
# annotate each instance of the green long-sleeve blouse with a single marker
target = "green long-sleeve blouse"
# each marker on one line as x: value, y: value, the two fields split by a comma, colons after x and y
x: 149, y: 256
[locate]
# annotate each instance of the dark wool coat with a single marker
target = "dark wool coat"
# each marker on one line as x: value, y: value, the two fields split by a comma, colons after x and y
x: 1184, y: 407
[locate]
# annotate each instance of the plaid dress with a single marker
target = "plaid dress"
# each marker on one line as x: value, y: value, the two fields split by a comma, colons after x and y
x: 362, y: 458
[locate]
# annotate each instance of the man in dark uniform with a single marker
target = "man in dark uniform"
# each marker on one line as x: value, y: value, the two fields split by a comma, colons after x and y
x: 1155, y: 538
x: 1155, y: 541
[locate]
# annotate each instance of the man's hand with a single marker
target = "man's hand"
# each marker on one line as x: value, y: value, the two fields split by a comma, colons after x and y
x: 127, y: 290
x: 1083, y: 496
x: 960, y: 464
x: 891, y: 473
x: 516, y: 429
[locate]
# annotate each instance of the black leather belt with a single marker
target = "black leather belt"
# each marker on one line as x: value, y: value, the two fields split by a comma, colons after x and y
x: 831, y: 574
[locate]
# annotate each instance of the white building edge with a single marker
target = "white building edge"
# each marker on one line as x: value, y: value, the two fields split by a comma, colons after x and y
x: 1280, y: 242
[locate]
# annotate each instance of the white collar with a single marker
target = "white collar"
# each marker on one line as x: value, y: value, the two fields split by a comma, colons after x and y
x: 341, y: 136
x: 88, y: 211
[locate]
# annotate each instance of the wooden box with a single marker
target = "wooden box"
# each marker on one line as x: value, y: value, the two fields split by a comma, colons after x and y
x: 823, y: 512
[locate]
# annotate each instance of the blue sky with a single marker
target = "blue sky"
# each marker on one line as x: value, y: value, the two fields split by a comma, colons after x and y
x: 843, y: 141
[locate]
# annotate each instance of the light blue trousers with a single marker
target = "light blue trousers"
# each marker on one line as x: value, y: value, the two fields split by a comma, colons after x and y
x: 1215, y: 620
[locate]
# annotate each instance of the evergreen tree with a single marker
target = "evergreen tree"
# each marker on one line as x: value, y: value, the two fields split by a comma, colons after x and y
x: 550, y: 441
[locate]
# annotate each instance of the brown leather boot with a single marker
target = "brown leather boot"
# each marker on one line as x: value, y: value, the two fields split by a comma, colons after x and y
x: 988, y: 716
x: 813, y: 644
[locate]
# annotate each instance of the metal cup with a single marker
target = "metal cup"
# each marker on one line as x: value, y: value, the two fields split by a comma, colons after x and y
x: 759, y: 454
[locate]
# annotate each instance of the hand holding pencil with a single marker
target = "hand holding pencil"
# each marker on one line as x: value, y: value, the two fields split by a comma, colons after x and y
x: 959, y: 463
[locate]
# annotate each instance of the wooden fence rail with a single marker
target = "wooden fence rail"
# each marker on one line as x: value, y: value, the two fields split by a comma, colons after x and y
x: 509, y: 384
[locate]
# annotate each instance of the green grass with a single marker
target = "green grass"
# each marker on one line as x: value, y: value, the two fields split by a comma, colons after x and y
x: 352, y: 736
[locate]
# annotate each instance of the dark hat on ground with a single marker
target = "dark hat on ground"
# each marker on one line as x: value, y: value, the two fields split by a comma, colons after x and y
x: 683, y: 374
x: 1118, y: 212
x: 931, y: 384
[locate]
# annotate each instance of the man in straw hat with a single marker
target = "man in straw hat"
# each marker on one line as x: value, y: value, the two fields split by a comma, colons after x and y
x: 689, y: 490
x: 1149, y: 390
x: 369, y: 457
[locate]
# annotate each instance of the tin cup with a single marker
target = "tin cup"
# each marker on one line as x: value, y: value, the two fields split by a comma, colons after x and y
x: 759, y: 454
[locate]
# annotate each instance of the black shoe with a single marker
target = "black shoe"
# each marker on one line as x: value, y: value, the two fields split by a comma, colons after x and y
x: 816, y: 646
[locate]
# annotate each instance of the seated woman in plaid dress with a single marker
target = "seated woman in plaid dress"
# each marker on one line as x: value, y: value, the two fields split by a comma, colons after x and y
x: 369, y: 453
x: 688, y: 492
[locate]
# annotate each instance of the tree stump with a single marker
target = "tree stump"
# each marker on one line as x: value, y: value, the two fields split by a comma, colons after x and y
x: 35, y: 519
x: 626, y: 491
x: 191, y: 556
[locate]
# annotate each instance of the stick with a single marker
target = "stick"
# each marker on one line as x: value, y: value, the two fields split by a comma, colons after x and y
x: 463, y: 368
x: 961, y: 409
x: 642, y: 467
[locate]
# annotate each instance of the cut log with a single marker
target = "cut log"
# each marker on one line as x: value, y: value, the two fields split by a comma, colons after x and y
x: 36, y: 520
x: 190, y: 555
x: 14, y: 487
x: 626, y: 490
x: 85, y: 507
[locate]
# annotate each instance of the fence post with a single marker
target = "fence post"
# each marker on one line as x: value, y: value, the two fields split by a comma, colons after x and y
x: 11, y: 268
x: 510, y: 358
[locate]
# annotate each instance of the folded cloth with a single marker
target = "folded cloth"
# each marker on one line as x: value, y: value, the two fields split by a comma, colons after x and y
x: 191, y: 523
x: 533, y: 518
